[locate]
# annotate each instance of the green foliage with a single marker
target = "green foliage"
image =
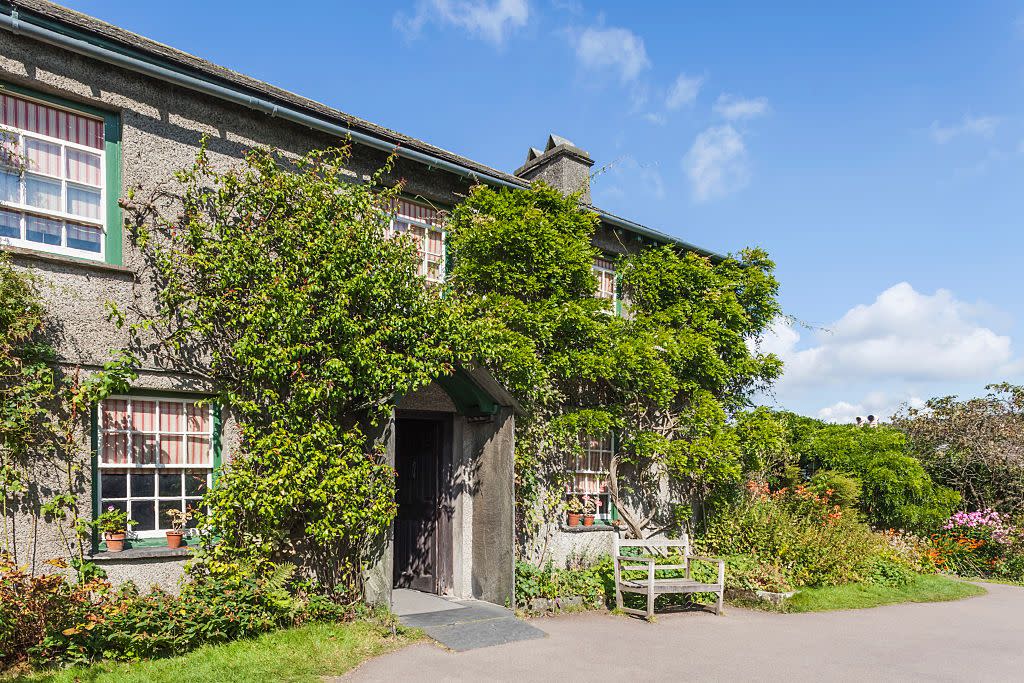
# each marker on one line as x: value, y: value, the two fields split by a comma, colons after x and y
x: 896, y: 490
x: 975, y: 447
x: 841, y: 489
x: 811, y: 540
x: 113, y: 521
x: 278, y: 280
x: 49, y: 621
x: 665, y: 377
x: 559, y: 584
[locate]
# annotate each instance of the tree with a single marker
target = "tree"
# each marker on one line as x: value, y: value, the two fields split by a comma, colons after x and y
x: 665, y: 378
x: 278, y: 282
x: 975, y: 446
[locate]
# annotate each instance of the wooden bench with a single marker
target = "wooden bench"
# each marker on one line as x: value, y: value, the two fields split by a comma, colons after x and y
x: 651, y: 586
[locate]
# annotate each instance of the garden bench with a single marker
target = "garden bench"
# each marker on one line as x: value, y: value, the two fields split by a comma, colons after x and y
x: 651, y: 586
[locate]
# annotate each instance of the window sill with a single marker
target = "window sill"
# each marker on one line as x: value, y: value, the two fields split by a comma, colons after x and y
x: 60, y: 259
x: 586, y: 529
x: 143, y: 553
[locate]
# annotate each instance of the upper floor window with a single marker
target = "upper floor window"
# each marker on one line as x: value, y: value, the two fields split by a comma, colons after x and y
x: 606, y: 286
x: 52, y: 194
x: 424, y: 225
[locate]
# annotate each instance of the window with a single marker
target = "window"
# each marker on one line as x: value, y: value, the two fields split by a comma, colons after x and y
x: 604, y: 270
x: 52, y: 195
x: 155, y: 454
x: 424, y: 225
x: 590, y: 471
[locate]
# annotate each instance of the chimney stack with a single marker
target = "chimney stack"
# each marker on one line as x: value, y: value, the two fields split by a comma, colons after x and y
x: 562, y: 165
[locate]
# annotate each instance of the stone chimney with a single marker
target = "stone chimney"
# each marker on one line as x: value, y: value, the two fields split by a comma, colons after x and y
x: 562, y: 165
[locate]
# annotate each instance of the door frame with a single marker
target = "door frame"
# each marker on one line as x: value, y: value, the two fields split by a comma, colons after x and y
x: 444, y: 550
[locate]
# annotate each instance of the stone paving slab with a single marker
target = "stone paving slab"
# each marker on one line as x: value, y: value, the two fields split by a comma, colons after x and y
x: 472, y: 624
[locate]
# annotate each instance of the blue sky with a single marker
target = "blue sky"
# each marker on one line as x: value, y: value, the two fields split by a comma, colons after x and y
x: 876, y: 150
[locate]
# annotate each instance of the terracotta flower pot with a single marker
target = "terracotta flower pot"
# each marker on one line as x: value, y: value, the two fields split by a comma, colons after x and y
x: 574, y: 519
x: 174, y: 539
x: 588, y: 520
x: 115, y: 542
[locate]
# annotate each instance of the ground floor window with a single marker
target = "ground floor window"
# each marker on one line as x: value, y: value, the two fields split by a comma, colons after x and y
x: 154, y: 455
x: 590, y: 470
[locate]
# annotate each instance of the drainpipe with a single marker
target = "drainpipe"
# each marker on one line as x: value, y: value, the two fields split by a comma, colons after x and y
x: 21, y: 25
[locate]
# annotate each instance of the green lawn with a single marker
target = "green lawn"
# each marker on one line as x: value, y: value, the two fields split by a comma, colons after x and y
x: 299, y: 654
x: 925, y: 588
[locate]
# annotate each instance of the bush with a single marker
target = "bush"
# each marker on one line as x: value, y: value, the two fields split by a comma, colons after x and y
x: 558, y: 584
x: 47, y: 620
x: 841, y: 489
x: 809, y: 539
x: 981, y: 543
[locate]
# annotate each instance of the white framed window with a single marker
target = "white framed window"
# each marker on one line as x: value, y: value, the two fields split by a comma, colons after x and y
x: 52, y: 179
x: 155, y: 454
x: 423, y: 224
x: 590, y: 470
x: 604, y: 270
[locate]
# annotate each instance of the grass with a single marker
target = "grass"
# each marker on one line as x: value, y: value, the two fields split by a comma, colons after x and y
x: 924, y: 588
x: 298, y: 654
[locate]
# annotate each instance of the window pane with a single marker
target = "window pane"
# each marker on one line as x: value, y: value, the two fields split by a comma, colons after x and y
x: 198, y: 450
x: 10, y: 224
x: 172, y: 449
x: 165, y: 505
x: 43, y: 230
x: 85, y: 237
x: 144, y: 512
x: 115, y: 414
x: 42, y: 193
x: 42, y: 157
x: 170, y: 484
x: 195, y: 483
x: 143, y: 485
x: 10, y: 187
x: 144, y: 416
x: 172, y: 416
x: 118, y: 505
x: 198, y: 418
x: 144, y: 449
x: 115, y: 449
x: 83, y: 202
x: 83, y: 167
x: 114, y: 484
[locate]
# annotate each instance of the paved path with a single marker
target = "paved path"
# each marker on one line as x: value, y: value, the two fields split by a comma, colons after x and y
x: 978, y: 639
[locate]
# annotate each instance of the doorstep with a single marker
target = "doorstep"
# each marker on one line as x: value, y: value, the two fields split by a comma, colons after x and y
x: 462, y: 625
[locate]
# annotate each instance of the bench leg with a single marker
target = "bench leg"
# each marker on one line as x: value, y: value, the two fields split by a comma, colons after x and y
x: 650, y: 602
x: 618, y: 597
x: 718, y: 605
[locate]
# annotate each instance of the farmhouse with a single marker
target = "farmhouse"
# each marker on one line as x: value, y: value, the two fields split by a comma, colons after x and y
x: 97, y: 110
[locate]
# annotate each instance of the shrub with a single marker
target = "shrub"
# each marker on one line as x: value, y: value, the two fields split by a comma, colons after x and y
x: 812, y: 541
x: 841, y: 489
x: 557, y: 584
x: 47, y: 620
x: 981, y: 543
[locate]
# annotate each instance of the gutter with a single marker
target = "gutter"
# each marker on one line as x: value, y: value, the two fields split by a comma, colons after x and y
x: 20, y: 24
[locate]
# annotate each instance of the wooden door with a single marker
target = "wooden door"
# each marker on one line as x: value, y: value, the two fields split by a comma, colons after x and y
x: 418, y: 461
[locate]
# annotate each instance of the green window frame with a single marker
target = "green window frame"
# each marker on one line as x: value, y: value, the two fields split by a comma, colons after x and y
x: 114, y: 220
x: 154, y: 539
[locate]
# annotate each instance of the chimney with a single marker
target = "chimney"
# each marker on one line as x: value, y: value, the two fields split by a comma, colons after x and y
x: 562, y: 165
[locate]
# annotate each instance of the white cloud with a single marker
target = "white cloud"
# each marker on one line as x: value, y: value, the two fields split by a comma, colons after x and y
x: 717, y: 163
x: 618, y: 50
x: 974, y: 126
x: 683, y: 92
x: 902, y: 346
x: 734, y: 108
x: 490, y: 20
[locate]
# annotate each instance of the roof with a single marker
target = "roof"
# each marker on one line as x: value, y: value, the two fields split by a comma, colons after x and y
x: 133, y: 44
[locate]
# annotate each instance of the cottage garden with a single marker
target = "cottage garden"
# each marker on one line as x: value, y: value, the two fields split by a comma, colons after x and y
x: 281, y: 284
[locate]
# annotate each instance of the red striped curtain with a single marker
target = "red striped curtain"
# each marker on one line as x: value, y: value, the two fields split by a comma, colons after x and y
x: 51, y: 121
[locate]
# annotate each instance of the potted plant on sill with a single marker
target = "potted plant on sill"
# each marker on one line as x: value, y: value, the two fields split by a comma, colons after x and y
x: 177, y: 531
x: 591, y: 504
x: 574, y: 508
x: 114, y: 524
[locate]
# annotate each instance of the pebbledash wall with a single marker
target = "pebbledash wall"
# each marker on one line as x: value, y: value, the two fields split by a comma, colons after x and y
x: 155, y: 128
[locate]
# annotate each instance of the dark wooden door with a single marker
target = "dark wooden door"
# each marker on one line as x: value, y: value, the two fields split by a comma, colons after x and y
x: 418, y: 451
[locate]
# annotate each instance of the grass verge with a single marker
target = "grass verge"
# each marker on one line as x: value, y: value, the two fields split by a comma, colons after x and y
x: 924, y: 588
x: 298, y: 654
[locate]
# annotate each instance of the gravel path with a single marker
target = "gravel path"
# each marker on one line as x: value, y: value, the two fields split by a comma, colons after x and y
x: 977, y: 639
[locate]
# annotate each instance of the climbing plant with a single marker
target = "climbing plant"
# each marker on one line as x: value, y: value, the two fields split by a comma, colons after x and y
x: 278, y: 282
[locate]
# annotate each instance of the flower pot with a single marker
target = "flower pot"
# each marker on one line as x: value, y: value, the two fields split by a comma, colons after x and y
x: 174, y: 539
x: 115, y: 542
x: 588, y: 520
x: 574, y: 519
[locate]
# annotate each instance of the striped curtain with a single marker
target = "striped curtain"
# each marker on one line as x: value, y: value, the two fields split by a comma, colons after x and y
x: 51, y: 121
